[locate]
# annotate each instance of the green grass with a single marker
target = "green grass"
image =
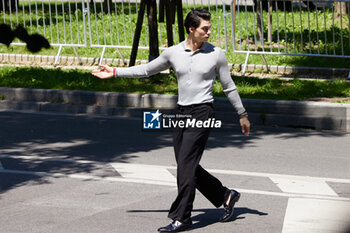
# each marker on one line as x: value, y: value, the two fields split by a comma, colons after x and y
x: 104, y: 28
x: 75, y: 79
x: 294, y: 89
x: 248, y: 87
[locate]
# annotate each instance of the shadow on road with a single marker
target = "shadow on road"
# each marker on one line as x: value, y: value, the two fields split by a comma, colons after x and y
x: 205, y: 217
x: 211, y: 216
x: 104, y: 139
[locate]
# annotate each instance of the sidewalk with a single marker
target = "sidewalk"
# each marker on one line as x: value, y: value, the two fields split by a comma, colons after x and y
x: 300, y: 114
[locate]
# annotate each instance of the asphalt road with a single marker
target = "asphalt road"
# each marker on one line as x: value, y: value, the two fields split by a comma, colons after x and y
x: 70, y: 173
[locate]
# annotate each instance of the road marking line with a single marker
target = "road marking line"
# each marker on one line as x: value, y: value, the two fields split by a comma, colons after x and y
x: 272, y: 175
x: 217, y: 171
x: 24, y: 147
x: 267, y: 175
x: 88, y: 177
x: 314, y: 216
x: 299, y: 185
x: 292, y: 195
x: 52, y: 158
x: 165, y: 183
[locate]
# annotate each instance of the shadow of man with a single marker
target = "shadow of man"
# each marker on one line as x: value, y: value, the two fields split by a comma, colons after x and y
x: 208, y: 217
x: 211, y: 216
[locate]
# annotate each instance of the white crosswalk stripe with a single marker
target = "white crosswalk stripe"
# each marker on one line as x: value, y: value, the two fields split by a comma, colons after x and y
x: 315, y: 216
x: 304, y: 186
x: 145, y: 172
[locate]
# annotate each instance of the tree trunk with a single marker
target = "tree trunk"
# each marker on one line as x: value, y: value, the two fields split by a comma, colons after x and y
x: 259, y: 21
x: 180, y: 20
x: 107, y: 4
x: 269, y: 36
x: 339, y: 9
x: 169, y: 8
x: 153, y: 29
x: 137, y: 34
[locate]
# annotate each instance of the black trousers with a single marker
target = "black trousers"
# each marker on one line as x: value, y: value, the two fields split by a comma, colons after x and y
x: 189, y: 144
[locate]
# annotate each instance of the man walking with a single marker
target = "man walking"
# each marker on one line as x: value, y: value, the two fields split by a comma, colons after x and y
x: 197, y: 63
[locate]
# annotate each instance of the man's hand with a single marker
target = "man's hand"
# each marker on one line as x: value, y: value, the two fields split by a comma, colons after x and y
x: 104, y: 72
x: 245, y: 125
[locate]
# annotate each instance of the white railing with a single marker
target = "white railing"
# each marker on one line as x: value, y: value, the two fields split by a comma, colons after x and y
x: 62, y: 23
x: 284, y: 27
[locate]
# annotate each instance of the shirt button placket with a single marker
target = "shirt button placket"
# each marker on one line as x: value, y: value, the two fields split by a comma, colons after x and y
x: 190, y: 69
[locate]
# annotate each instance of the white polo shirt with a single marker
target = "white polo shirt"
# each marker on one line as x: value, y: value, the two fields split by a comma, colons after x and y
x: 196, y: 72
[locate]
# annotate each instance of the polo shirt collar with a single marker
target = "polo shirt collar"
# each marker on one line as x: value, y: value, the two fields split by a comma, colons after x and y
x: 202, y: 48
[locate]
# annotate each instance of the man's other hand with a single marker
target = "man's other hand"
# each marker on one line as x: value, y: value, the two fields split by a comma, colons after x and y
x: 245, y: 125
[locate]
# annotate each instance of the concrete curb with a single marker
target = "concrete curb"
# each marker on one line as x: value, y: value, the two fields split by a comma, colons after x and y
x: 304, y: 114
x: 326, y: 73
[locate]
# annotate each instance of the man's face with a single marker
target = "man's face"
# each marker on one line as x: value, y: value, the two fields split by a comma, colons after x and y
x: 202, y: 32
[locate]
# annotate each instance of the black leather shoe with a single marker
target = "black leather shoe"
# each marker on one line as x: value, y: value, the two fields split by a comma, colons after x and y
x: 234, y: 197
x: 176, y: 226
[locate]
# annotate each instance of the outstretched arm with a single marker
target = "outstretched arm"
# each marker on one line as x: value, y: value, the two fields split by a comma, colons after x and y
x: 157, y: 65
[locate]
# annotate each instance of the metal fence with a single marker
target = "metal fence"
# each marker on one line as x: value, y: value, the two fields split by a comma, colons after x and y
x: 276, y: 27
x: 117, y: 19
x: 284, y: 27
x: 62, y: 23
x: 97, y: 23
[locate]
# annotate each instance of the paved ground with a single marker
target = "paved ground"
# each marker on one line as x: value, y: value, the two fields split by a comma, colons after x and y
x: 70, y: 173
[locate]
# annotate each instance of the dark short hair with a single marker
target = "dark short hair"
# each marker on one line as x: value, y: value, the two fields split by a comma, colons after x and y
x: 193, y: 18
